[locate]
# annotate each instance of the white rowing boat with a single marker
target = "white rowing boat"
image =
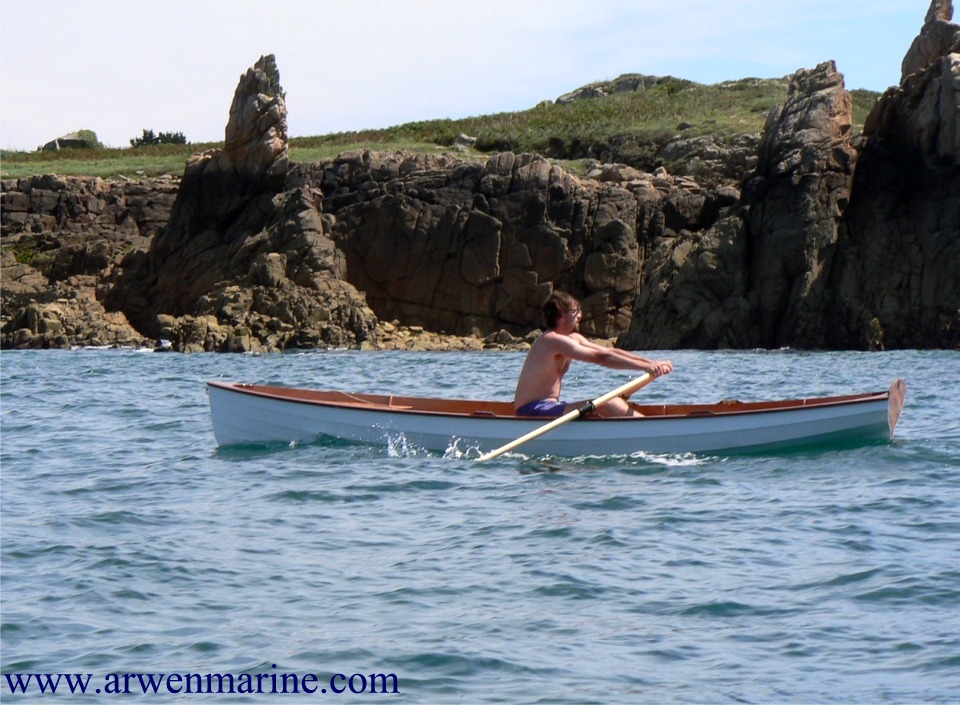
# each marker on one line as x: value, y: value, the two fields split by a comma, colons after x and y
x: 254, y: 413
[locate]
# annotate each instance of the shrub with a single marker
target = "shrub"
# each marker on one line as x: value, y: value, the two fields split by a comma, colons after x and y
x: 90, y: 137
x: 149, y: 138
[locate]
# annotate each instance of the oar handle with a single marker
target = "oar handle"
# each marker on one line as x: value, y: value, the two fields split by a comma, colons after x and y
x: 628, y: 388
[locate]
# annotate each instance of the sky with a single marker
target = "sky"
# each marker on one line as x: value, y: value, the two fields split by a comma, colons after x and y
x: 118, y: 67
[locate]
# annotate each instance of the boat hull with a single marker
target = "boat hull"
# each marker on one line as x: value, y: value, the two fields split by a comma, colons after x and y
x: 244, y: 414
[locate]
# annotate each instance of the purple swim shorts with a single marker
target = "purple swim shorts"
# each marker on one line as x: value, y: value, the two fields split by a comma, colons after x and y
x: 543, y: 407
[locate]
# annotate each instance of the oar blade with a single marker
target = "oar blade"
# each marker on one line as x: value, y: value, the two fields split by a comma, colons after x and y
x: 898, y: 392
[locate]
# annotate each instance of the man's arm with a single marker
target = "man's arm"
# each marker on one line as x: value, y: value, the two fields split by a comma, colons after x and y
x: 579, y: 348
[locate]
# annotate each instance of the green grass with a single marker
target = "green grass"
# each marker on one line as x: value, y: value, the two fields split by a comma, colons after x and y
x: 105, y: 162
x: 310, y: 152
x: 863, y: 102
x: 726, y: 109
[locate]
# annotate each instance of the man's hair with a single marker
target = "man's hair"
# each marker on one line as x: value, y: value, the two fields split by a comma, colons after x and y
x: 558, y: 304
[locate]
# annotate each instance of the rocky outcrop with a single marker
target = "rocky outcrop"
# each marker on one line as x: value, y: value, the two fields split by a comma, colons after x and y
x: 758, y: 278
x: 627, y: 83
x: 835, y: 243
x: 694, y: 295
x: 467, y: 247
x: 73, y: 140
x: 245, y: 263
x: 64, y: 242
x: 794, y: 204
x: 224, y: 194
x: 899, y: 283
x: 938, y: 37
x: 803, y: 236
x: 471, y: 247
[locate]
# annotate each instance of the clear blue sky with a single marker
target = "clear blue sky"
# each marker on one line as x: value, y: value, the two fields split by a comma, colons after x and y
x: 119, y: 66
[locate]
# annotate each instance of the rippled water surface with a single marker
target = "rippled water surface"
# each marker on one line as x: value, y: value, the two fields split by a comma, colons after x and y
x: 131, y: 544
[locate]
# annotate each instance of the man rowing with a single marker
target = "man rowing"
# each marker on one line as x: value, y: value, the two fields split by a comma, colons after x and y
x: 541, y: 378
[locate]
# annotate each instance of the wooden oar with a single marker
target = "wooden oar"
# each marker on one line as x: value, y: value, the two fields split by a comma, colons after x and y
x: 628, y: 388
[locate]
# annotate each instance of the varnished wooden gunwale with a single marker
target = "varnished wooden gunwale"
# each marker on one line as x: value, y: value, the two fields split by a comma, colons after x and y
x: 471, y: 407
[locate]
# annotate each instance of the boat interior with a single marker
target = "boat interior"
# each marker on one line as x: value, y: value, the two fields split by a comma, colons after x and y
x: 467, y: 407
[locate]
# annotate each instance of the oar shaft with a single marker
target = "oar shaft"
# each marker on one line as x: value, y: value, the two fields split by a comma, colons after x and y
x: 628, y: 388
x: 569, y: 416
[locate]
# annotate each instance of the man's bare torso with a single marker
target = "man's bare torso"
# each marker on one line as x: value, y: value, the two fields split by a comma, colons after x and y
x: 543, y: 371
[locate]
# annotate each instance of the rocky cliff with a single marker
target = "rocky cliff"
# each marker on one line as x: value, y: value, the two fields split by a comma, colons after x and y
x: 835, y: 242
x: 898, y: 273
x: 818, y: 240
x: 64, y: 244
x: 244, y: 262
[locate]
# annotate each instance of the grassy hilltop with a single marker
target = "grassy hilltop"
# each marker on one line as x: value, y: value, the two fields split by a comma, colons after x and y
x: 565, y: 131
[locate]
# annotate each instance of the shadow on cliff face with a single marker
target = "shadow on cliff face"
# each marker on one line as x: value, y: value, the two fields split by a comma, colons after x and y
x: 900, y: 273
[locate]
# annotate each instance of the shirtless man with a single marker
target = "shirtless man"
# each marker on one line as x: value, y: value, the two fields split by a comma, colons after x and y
x: 538, y: 389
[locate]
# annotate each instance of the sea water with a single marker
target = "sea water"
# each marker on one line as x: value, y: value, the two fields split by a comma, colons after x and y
x: 140, y: 557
